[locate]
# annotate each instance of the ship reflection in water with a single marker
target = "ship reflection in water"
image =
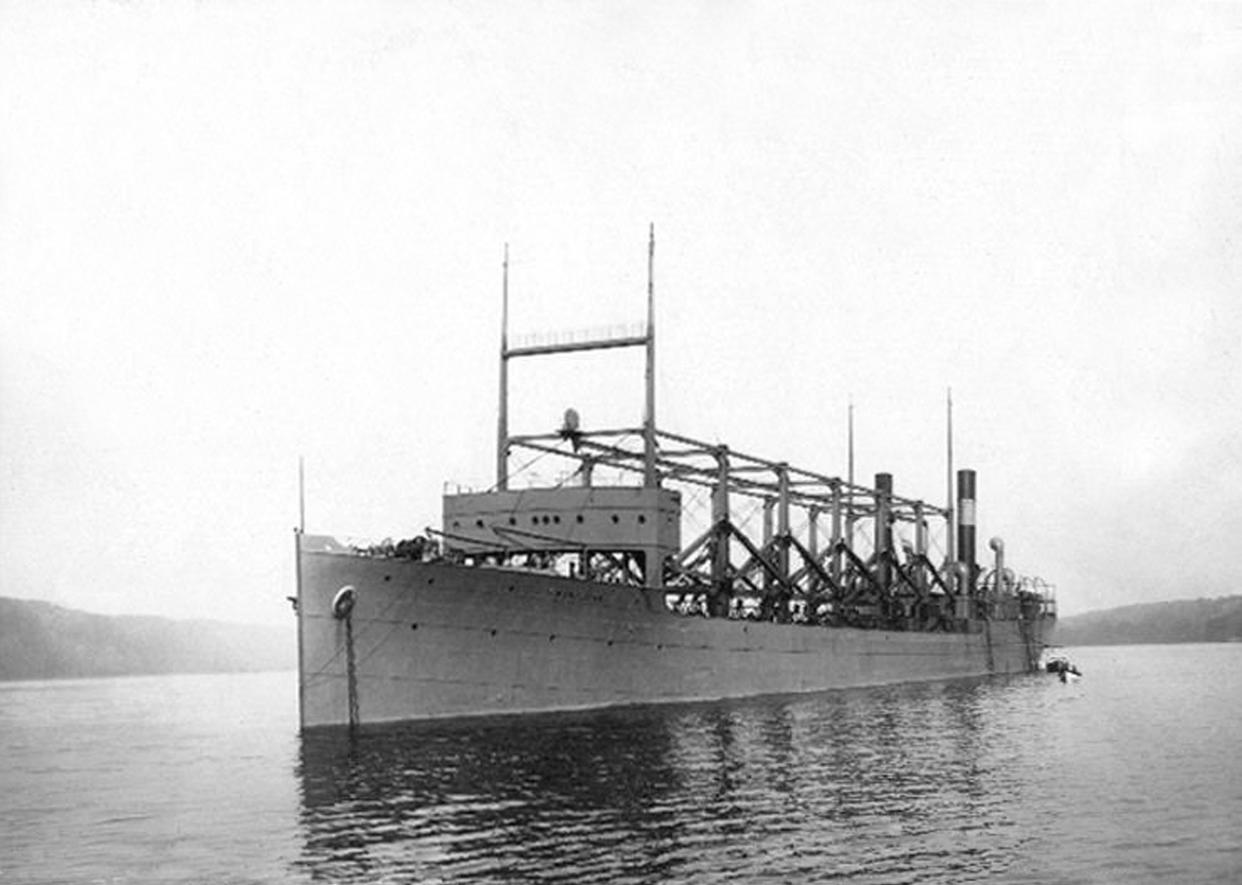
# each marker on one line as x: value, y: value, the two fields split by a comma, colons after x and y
x: 885, y: 784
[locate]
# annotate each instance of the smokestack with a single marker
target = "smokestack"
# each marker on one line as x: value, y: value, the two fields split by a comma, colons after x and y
x: 883, y: 525
x: 966, y: 525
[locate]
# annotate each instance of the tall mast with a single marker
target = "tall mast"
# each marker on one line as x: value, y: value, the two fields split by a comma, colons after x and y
x: 649, y: 469
x: 850, y: 423
x: 950, y: 550
x: 849, y: 495
x: 502, y: 424
x: 576, y: 345
x: 301, y: 494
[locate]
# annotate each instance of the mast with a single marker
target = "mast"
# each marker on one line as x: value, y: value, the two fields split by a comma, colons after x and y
x: 649, y: 443
x: 850, y: 425
x: 301, y: 495
x: 629, y: 338
x: 950, y: 553
x: 502, y: 426
x: 849, y: 495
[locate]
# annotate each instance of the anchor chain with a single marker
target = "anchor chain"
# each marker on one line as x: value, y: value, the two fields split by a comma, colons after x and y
x: 343, y: 610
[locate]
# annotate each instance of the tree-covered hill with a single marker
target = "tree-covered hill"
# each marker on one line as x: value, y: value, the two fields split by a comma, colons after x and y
x: 1186, y: 620
x: 39, y: 640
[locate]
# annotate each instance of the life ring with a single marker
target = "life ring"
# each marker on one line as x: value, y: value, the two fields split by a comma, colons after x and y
x: 343, y: 602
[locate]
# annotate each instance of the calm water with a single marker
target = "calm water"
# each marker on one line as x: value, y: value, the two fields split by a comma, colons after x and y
x: 1133, y: 774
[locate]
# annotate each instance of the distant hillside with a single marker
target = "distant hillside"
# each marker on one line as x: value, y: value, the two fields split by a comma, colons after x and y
x: 1188, y: 620
x: 39, y: 640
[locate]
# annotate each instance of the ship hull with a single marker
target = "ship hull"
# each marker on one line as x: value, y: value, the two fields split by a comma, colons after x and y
x: 427, y: 640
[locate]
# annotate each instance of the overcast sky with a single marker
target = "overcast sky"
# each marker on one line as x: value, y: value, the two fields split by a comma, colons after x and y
x: 232, y: 233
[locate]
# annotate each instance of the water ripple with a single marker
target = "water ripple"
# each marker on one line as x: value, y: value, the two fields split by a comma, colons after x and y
x: 1131, y: 775
x: 881, y: 785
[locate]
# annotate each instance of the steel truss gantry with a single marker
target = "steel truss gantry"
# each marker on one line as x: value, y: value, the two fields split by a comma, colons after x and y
x: 819, y: 574
x: 819, y: 577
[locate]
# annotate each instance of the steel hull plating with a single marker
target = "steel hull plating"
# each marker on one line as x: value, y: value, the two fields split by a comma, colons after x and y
x: 434, y: 639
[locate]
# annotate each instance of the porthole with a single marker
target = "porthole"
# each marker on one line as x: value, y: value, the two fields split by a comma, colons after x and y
x: 512, y: 521
x: 413, y: 626
x: 478, y: 523
x: 579, y: 517
x: 641, y: 519
x: 615, y: 519
x: 557, y: 520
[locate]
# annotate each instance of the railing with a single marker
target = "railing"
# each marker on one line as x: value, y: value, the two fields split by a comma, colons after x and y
x: 560, y: 338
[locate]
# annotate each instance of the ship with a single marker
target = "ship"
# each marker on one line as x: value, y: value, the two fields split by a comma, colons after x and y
x: 590, y: 592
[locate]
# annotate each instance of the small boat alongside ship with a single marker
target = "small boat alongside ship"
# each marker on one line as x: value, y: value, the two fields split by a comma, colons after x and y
x: 1062, y: 667
x: 586, y: 593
